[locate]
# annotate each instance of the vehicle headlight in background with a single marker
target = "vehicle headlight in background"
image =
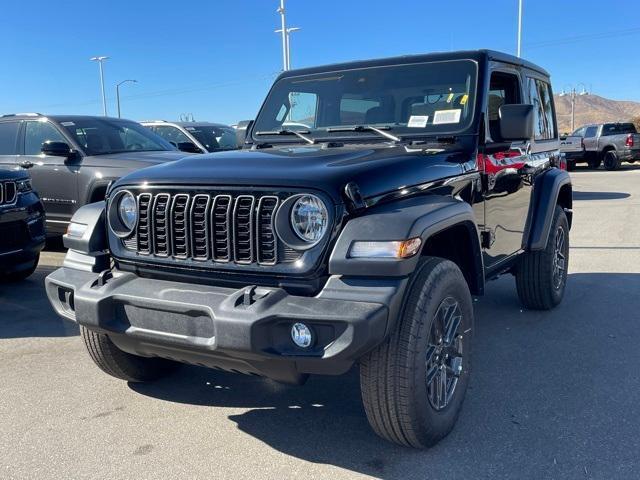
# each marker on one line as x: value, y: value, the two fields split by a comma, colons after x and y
x: 392, y: 249
x: 23, y: 186
x: 122, y: 213
x: 309, y: 218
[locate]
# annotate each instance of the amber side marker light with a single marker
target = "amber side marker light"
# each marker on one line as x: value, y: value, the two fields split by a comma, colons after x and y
x: 390, y: 249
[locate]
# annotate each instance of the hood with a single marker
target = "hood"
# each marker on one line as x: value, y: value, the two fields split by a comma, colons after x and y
x: 376, y: 169
x: 6, y: 174
x: 149, y: 158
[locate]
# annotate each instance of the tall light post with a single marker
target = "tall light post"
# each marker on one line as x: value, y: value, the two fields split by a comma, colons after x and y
x: 101, y: 60
x: 572, y: 93
x: 118, y: 92
x: 286, y: 33
x: 519, y: 27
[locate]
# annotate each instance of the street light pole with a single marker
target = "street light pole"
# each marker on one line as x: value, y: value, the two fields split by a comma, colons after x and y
x: 286, y: 33
x: 118, y: 92
x: 519, y: 27
x: 100, y: 61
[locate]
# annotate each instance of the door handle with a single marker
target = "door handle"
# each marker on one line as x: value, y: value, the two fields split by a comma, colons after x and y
x: 26, y: 164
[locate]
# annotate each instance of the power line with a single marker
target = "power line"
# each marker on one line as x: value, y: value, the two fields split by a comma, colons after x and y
x: 579, y: 38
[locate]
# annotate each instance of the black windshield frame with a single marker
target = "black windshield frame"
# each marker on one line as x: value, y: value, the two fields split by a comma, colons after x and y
x: 279, y: 94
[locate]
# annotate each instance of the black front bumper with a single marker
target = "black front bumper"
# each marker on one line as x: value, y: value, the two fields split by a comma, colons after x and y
x: 22, y: 232
x: 244, y: 330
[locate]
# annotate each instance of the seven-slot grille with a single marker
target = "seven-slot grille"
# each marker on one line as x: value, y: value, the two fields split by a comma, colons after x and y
x: 7, y: 192
x: 207, y: 228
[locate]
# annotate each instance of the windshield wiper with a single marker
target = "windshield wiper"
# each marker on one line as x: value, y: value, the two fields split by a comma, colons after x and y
x: 284, y: 131
x: 367, y: 128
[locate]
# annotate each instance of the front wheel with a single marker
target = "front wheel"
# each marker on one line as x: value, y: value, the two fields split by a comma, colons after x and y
x: 541, y: 276
x: 413, y: 385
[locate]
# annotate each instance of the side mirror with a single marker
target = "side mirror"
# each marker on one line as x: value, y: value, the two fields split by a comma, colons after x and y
x: 188, y: 147
x: 241, y: 131
x: 516, y: 122
x: 56, y: 149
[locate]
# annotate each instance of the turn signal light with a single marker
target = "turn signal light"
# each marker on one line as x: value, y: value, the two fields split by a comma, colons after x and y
x: 391, y: 249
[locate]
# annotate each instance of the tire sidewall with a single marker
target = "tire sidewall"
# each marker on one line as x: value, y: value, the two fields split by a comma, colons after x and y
x: 560, y: 221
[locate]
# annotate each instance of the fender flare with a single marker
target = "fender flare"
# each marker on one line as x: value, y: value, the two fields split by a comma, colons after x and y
x: 94, y: 238
x: 422, y: 216
x: 546, y: 191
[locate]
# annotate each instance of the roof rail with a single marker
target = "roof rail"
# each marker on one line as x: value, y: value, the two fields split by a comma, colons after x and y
x: 26, y: 114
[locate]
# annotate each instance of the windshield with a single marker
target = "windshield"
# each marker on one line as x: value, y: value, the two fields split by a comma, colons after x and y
x: 432, y: 98
x: 99, y: 136
x: 214, y: 138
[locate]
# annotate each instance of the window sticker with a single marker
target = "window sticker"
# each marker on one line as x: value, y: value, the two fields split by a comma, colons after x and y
x: 447, y: 116
x: 67, y: 124
x: 450, y: 97
x: 418, y: 121
x: 463, y: 100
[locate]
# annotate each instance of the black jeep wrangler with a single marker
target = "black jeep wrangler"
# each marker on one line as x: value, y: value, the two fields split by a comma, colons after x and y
x: 371, y: 200
x: 22, y: 230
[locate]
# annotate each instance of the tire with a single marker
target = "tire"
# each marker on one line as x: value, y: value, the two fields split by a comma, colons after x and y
x: 132, y: 368
x: 541, y: 276
x: 398, y: 402
x: 611, y: 160
x: 21, y: 274
x: 571, y: 165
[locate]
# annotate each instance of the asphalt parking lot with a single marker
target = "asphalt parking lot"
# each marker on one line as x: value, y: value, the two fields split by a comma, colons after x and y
x: 553, y: 395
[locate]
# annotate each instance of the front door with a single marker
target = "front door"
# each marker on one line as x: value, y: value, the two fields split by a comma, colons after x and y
x: 54, y: 178
x: 506, y: 181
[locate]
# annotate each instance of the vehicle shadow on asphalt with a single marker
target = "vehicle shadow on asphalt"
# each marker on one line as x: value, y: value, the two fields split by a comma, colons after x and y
x: 540, y: 380
x: 578, y: 195
x: 25, y: 310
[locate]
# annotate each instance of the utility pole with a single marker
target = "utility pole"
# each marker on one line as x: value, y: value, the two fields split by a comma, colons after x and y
x: 572, y: 93
x: 519, y: 27
x: 100, y: 61
x: 118, y: 92
x: 286, y: 34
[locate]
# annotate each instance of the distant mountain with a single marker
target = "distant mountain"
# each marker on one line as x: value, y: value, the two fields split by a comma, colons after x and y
x: 593, y: 109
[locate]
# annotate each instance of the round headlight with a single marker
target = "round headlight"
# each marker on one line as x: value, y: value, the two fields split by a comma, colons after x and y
x: 128, y: 210
x: 309, y: 218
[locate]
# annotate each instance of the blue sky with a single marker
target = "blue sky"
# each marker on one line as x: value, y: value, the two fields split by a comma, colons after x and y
x: 217, y: 58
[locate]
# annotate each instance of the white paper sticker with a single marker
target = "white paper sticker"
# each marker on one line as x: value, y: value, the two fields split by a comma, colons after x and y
x: 447, y: 116
x: 418, y: 121
x: 67, y: 124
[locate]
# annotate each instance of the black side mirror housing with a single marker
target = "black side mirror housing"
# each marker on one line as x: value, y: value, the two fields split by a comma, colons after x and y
x: 188, y: 147
x: 516, y: 122
x: 57, y: 149
x: 242, y: 129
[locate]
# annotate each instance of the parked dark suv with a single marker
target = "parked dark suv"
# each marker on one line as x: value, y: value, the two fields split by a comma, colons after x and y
x: 22, y: 233
x: 370, y: 201
x: 195, y: 137
x: 72, y: 159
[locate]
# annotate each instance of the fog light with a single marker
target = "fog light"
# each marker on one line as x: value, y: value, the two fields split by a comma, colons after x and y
x: 301, y: 335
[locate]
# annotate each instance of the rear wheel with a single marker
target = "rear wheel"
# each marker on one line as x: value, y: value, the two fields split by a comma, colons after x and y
x: 413, y: 385
x: 542, y: 275
x: 117, y: 363
x: 611, y: 160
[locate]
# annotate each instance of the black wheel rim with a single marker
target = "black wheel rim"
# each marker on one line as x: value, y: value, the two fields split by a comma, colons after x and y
x: 444, y: 354
x: 559, y: 259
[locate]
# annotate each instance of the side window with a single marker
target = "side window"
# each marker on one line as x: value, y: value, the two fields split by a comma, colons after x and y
x: 540, y: 98
x: 303, y: 109
x: 579, y: 132
x: 504, y: 89
x: 36, y: 133
x: 590, y: 132
x: 8, y: 137
x: 171, y: 134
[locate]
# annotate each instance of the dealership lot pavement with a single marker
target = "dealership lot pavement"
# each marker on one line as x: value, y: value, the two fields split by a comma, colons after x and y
x: 553, y: 395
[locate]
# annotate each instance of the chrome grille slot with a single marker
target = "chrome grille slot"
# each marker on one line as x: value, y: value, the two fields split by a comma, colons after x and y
x: 243, y: 229
x: 1, y: 193
x: 10, y: 192
x: 199, y: 225
x: 220, y: 225
x: 142, y: 231
x: 266, y: 244
x: 179, y: 225
x: 160, y: 225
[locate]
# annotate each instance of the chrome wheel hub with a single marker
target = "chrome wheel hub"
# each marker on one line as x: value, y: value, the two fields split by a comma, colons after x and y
x: 444, y: 354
